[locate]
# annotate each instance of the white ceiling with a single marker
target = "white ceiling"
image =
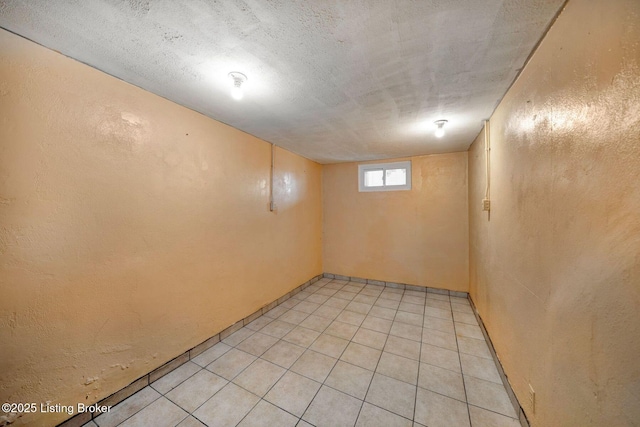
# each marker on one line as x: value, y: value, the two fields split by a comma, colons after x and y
x: 331, y: 80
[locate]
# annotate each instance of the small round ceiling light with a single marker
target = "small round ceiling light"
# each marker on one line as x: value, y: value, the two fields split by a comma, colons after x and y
x: 238, y: 79
x: 440, y: 128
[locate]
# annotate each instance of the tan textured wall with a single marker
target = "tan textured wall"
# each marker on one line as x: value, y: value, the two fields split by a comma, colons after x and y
x: 418, y: 237
x: 131, y: 228
x: 555, y: 272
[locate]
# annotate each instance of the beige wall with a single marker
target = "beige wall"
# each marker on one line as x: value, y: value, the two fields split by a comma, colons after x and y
x: 555, y: 272
x: 418, y: 237
x: 131, y: 228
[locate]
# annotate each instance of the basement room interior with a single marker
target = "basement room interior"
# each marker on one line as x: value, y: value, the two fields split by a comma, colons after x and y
x: 320, y: 213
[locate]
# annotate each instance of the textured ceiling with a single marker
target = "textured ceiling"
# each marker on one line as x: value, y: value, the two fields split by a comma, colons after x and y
x: 331, y: 80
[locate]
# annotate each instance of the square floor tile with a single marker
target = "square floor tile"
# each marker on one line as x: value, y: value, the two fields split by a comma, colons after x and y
x: 266, y: 414
x: 383, y: 313
x: 438, y: 313
x: 373, y: 416
x: 259, y: 323
x: 409, y: 332
x: 301, y: 336
x: 350, y: 379
x: 471, y: 331
x: 174, y: 378
x: 326, y: 291
x: 488, y: 395
x: 293, y: 393
x: 329, y: 345
x: 231, y: 363
x: 257, y: 343
x: 293, y: 316
x: 328, y: 311
x: 317, y: 298
x: 474, y: 347
x: 276, y: 312
x: 331, y: 408
x: 283, y: 354
x: 442, y: 305
x: 387, y: 303
x: 211, y: 354
x: 435, y: 410
x: 465, y: 318
x: 351, y: 318
x: 443, y: 325
x: 371, y: 290
x: 411, y: 308
x: 352, y: 287
x: 314, y: 365
x: 370, y: 338
x: 196, y: 390
x: 403, y: 347
x: 440, y: 297
x: 361, y: 355
x: 398, y: 367
x: 463, y: 308
x: 478, y: 367
x: 290, y: 303
x: 440, y: 339
x: 317, y: 323
x: 443, y: 381
x: 238, y: 336
x: 191, y: 422
x: 302, y: 295
x: 160, y: 412
x: 391, y: 294
x: 413, y: 299
x: 277, y: 328
x: 307, y: 307
x: 343, y: 294
x: 341, y: 330
x: 337, y: 303
x: 227, y: 407
x: 392, y: 395
x: 441, y: 357
x: 365, y: 299
x: 259, y: 377
x: 377, y: 324
x: 127, y: 407
x: 483, y: 418
x: 409, y: 318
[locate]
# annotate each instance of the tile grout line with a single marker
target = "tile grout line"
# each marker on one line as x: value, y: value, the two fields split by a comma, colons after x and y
x: 464, y: 385
x: 382, y: 351
x: 415, y: 403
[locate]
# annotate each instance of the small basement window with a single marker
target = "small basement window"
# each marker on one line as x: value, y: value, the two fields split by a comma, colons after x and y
x: 384, y: 176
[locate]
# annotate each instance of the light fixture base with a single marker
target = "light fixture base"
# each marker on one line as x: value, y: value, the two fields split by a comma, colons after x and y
x: 440, y: 128
x: 237, y: 77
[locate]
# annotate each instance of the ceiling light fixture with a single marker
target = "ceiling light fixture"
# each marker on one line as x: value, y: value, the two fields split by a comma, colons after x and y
x: 440, y: 129
x: 238, y: 79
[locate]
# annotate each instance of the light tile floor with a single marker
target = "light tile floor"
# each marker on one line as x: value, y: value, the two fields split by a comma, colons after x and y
x: 336, y: 354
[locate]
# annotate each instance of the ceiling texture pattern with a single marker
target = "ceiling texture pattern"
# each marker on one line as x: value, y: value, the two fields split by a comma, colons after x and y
x: 333, y: 80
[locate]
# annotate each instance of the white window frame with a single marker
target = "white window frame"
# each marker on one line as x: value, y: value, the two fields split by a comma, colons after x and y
x: 384, y: 166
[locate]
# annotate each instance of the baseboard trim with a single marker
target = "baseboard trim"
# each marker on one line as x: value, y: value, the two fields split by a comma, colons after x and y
x: 397, y: 285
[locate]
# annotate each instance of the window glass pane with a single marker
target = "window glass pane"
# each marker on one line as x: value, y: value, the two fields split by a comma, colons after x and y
x: 396, y: 176
x: 373, y: 178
